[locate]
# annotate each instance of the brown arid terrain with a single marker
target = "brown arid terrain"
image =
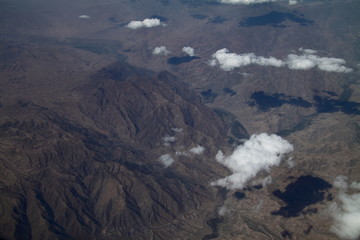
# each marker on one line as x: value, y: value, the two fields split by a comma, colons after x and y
x: 102, y: 137
x: 79, y: 159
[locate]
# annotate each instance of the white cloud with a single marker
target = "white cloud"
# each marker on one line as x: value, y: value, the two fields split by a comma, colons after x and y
x: 299, y: 62
x: 189, y: 51
x: 168, y: 140
x: 181, y: 153
x: 346, y: 213
x: 84, y: 16
x: 223, y: 210
x: 307, y: 61
x: 262, y: 181
x: 347, y: 216
x: 271, y: 61
x: 259, y: 205
x: 259, y: 153
x: 292, y: 2
x: 167, y: 160
x: 307, y: 51
x: 266, y: 181
x: 340, y: 182
x: 161, y: 51
x: 177, y: 130
x: 291, y: 162
x: 147, y: 23
x: 197, y: 150
x: 228, y: 61
x: 355, y: 185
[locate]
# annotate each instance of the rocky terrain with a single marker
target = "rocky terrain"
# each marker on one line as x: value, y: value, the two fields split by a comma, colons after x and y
x: 103, y: 138
x: 90, y: 169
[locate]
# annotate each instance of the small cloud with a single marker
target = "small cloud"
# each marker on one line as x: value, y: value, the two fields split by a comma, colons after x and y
x: 266, y: 181
x: 223, y: 210
x: 291, y: 162
x: 84, y: 16
x: 146, y: 23
x: 259, y: 153
x: 292, y: 2
x: 177, y: 130
x: 259, y: 205
x: 181, y: 153
x: 168, y: 140
x: 167, y: 160
x: 346, y: 212
x: 263, y: 182
x: 197, y: 150
x: 161, y: 51
x: 189, y: 51
x: 307, y: 51
x: 228, y: 61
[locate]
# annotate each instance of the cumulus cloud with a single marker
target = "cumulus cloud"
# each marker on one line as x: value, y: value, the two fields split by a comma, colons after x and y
x: 167, y: 160
x: 291, y: 162
x: 197, y: 150
x: 177, y: 130
x: 299, y: 62
x: 147, y: 23
x: 340, y: 182
x: 263, y: 182
x: 223, y: 210
x: 260, y: 182
x: 181, y: 153
x: 189, y: 51
x: 307, y: 60
x: 228, y: 61
x: 161, y: 51
x: 355, y: 185
x: 260, y: 152
x: 346, y: 212
x: 84, y: 16
x: 168, y: 140
x: 307, y: 51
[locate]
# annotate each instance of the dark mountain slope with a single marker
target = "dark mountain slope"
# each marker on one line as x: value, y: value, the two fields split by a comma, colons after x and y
x: 89, y: 169
x: 144, y: 106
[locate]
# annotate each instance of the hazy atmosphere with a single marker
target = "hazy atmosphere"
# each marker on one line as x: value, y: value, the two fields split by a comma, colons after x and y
x: 180, y: 119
